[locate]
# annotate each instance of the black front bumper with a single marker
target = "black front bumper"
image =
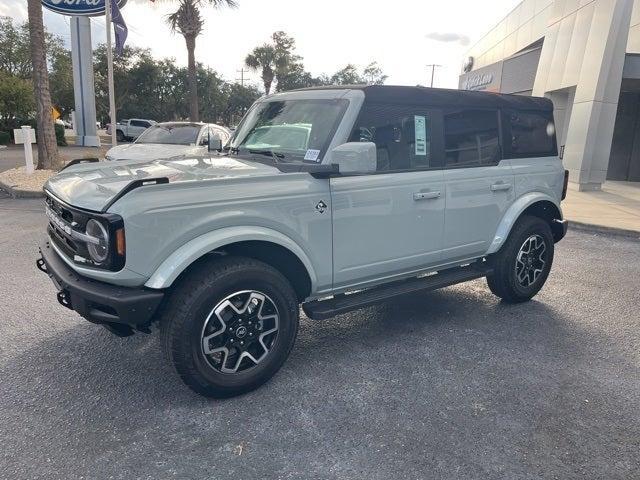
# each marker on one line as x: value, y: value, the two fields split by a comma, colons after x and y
x: 120, y: 309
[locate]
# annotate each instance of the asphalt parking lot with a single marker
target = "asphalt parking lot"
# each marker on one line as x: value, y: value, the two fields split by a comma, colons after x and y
x: 450, y: 384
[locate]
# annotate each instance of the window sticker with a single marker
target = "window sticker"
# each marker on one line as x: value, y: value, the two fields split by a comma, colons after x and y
x: 421, y: 135
x: 312, y: 155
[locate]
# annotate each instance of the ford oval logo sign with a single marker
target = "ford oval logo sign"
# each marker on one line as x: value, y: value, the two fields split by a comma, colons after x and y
x: 78, y: 7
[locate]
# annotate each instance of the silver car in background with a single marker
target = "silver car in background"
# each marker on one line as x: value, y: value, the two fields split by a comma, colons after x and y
x: 170, y: 140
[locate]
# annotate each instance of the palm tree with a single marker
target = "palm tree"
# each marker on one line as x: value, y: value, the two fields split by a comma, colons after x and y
x: 264, y: 58
x: 188, y: 22
x: 48, y: 157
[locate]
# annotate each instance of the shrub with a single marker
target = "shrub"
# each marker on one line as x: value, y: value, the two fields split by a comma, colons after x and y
x: 5, y: 138
x: 62, y: 142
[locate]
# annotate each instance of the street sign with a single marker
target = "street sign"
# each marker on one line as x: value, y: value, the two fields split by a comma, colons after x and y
x: 55, y: 113
x: 19, y: 135
x: 78, y: 7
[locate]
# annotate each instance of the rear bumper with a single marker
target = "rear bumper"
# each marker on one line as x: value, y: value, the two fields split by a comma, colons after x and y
x: 120, y: 309
x: 559, y: 229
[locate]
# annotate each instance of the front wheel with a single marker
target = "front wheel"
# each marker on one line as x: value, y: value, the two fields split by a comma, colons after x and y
x: 522, y: 265
x: 230, y: 326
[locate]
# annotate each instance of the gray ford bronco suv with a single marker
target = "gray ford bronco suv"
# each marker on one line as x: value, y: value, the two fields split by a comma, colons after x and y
x: 330, y: 198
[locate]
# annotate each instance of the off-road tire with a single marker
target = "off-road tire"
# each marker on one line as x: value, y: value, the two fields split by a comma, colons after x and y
x: 186, y: 311
x: 503, y: 282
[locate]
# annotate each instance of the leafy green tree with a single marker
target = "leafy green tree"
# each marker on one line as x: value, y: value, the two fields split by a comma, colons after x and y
x: 263, y: 59
x: 61, y: 81
x: 16, y: 100
x: 122, y: 64
x: 373, y: 74
x: 239, y: 99
x: 187, y: 21
x: 15, y: 56
x: 349, y: 75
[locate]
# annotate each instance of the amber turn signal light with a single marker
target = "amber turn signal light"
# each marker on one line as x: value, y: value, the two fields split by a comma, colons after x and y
x: 120, y: 243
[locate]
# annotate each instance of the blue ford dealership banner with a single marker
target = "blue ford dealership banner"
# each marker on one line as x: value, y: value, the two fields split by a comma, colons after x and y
x: 78, y: 7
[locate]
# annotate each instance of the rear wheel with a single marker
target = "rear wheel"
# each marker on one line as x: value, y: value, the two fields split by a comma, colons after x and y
x: 230, y: 326
x: 120, y: 135
x: 522, y: 265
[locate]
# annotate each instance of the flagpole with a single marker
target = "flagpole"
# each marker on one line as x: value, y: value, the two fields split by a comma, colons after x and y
x: 112, y: 98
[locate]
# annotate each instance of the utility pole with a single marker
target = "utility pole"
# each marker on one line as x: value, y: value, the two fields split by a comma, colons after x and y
x: 241, y: 79
x: 433, y: 71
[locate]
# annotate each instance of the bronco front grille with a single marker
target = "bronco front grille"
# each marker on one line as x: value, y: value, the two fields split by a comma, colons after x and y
x: 62, y: 219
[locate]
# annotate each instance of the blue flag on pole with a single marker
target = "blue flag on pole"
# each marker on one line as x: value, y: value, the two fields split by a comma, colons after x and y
x: 119, y: 26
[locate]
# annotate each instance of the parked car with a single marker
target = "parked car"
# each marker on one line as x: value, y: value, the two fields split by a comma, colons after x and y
x: 130, y: 129
x: 170, y: 139
x: 394, y: 190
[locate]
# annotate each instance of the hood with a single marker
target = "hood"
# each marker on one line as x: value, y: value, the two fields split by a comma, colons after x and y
x: 151, y: 151
x: 93, y: 185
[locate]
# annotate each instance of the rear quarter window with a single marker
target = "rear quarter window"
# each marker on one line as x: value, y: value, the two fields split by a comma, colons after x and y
x: 529, y: 134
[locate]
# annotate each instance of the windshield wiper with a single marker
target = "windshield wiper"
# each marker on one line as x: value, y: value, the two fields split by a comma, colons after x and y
x: 277, y: 157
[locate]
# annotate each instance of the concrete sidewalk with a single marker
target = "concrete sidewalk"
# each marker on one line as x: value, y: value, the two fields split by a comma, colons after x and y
x: 616, y: 206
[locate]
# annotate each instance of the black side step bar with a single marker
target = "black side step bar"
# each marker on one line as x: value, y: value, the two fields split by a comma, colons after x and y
x: 323, y: 309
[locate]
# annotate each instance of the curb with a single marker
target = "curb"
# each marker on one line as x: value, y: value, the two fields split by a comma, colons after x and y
x: 19, y: 193
x: 600, y: 229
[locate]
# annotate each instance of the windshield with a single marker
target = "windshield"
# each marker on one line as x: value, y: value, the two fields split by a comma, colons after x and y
x: 170, y: 134
x: 296, y: 130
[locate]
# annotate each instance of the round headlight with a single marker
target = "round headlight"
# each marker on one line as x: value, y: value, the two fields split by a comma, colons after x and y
x: 99, y: 252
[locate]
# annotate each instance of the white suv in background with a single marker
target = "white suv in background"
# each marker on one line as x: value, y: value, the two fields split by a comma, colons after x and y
x: 170, y: 140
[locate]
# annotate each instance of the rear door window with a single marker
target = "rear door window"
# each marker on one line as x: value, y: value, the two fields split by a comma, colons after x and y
x: 472, y: 138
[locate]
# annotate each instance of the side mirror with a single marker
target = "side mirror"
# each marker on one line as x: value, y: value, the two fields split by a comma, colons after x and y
x: 215, y: 144
x: 355, y: 157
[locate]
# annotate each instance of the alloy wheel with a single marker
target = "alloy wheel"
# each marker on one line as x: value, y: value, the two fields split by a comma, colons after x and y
x: 531, y: 260
x: 240, y: 331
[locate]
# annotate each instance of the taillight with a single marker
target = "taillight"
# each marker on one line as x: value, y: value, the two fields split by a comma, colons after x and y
x: 566, y: 184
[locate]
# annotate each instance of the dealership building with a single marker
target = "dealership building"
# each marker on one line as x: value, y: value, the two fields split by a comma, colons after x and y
x: 585, y: 56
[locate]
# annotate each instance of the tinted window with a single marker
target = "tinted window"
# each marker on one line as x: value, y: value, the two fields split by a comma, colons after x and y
x: 403, y: 135
x: 471, y: 137
x: 532, y: 134
x: 139, y: 123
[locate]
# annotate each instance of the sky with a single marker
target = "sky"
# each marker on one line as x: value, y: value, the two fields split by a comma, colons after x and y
x: 402, y: 36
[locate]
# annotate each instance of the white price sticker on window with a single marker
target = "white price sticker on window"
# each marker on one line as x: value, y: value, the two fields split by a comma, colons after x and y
x: 312, y: 155
x: 421, y: 135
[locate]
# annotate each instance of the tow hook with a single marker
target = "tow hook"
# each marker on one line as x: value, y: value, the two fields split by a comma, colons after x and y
x: 41, y: 265
x: 64, y: 300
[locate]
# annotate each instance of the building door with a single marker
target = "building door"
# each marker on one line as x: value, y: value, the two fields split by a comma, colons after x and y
x: 624, y: 160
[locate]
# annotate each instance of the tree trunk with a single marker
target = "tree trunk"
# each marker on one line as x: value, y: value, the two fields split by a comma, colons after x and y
x: 267, y: 80
x: 48, y: 157
x: 193, y: 79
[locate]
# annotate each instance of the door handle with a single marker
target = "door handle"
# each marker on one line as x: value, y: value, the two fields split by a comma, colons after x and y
x: 425, y: 196
x: 500, y: 187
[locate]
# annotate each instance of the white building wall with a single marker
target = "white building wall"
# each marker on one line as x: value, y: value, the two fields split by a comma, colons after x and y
x: 580, y: 69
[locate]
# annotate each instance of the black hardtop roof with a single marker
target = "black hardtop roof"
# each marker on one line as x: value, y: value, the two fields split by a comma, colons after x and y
x: 438, y: 97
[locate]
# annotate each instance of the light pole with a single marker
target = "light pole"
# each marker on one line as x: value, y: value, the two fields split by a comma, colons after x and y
x: 112, y: 98
x: 433, y: 71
